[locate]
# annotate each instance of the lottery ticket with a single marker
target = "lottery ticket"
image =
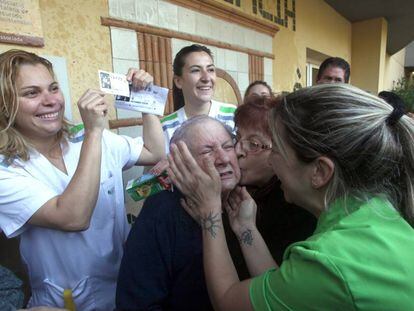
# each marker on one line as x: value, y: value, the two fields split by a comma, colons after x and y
x: 149, y: 100
x: 113, y: 83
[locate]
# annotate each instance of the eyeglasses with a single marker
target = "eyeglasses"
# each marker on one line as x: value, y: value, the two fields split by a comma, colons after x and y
x: 251, y: 146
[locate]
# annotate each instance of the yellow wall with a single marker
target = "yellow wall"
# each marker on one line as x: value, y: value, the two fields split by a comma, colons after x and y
x: 394, y: 69
x: 72, y: 30
x: 318, y: 26
x: 383, y: 52
x: 224, y: 92
x: 368, y: 53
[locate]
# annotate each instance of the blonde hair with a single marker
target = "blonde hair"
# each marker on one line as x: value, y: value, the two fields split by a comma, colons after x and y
x: 372, y: 156
x: 12, y: 143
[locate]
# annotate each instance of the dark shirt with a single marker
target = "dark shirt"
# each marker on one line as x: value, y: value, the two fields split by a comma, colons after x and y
x: 11, y: 293
x: 162, y: 266
x: 280, y: 224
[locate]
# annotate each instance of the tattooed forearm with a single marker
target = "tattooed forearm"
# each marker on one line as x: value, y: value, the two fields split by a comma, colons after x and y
x: 211, y: 223
x: 246, y: 237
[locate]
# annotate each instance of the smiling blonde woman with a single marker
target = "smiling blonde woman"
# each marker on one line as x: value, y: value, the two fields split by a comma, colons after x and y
x: 61, y: 189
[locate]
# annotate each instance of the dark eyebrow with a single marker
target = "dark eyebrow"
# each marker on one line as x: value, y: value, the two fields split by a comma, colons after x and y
x: 198, y: 66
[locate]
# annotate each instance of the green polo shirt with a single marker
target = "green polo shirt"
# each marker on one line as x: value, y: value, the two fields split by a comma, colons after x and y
x: 361, y: 257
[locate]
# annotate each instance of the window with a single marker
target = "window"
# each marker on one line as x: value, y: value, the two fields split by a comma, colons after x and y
x: 311, y: 74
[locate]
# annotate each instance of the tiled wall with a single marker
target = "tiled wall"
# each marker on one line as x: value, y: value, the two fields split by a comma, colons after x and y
x: 268, y: 70
x: 124, y: 56
x: 166, y: 15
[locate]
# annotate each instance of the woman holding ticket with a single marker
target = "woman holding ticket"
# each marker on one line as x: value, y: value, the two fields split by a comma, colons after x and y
x: 61, y: 186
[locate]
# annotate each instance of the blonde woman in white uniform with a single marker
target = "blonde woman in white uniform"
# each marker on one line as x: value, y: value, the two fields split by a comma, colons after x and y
x: 60, y: 188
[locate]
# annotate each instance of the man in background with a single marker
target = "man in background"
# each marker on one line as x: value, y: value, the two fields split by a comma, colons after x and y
x: 334, y: 70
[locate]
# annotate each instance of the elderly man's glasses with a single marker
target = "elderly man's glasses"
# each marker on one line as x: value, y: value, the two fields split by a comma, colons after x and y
x: 251, y: 146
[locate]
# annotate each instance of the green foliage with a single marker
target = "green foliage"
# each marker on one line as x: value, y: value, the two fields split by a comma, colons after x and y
x: 405, y: 89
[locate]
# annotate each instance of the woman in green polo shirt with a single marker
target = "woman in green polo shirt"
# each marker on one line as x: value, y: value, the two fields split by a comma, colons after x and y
x: 347, y: 157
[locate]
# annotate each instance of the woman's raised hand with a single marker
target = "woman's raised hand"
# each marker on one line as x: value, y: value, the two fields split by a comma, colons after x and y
x: 139, y: 78
x: 160, y: 167
x: 93, y: 109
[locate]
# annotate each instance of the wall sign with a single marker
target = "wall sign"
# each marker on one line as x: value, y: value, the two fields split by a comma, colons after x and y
x: 279, y: 16
x: 20, y: 22
x: 236, y: 2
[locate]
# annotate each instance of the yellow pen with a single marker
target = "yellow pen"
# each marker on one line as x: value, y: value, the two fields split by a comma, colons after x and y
x: 68, y: 300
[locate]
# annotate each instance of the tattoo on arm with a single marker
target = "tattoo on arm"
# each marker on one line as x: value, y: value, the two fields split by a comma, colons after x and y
x: 211, y: 224
x: 246, y: 237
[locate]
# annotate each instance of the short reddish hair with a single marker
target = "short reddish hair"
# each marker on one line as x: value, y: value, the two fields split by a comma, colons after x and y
x: 254, y: 114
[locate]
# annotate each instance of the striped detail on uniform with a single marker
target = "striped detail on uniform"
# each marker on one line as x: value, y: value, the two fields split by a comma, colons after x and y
x: 4, y: 163
x: 77, y: 133
x: 76, y: 128
x: 225, y: 118
x: 226, y: 115
x: 169, y: 117
x: 170, y: 125
x: 12, y: 161
x: 227, y: 109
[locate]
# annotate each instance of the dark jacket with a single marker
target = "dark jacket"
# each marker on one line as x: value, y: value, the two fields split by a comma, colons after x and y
x: 162, y: 266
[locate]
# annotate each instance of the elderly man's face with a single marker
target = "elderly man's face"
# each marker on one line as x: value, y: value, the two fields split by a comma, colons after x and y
x: 211, y: 140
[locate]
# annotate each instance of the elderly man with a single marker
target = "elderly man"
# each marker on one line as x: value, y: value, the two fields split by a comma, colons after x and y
x: 334, y: 70
x: 162, y: 267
